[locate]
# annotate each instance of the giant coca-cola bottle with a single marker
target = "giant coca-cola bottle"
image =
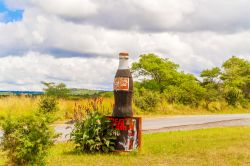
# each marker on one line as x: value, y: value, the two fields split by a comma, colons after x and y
x: 123, y: 88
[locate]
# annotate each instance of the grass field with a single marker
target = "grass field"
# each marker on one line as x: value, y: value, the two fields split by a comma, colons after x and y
x: 22, y: 105
x: 216, y: 146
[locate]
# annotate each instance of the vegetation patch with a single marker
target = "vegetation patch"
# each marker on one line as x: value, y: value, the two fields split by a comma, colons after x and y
x: 94, y: 134
x: 214, y: 146
x: 161, y: 77
x: 26, y: 139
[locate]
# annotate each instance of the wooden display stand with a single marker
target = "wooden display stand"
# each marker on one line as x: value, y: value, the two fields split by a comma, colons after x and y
x: 130, y: 129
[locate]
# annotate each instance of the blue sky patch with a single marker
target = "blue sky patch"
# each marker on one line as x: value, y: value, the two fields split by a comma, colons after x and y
x: 9, y: 15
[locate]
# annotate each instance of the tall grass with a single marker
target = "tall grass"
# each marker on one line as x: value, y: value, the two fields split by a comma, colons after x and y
x: 17, y: 105
x: 71, y: 109
x: 25, y: 105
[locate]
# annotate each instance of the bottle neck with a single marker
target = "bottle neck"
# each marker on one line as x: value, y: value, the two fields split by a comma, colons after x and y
x: 123, y: 64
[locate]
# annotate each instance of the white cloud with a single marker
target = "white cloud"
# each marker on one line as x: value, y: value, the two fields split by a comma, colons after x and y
x: 77, y: 42
x: 144, y: 15
x: 148, y: 15
x: 27, y: 71
x: 174, y: 15
x: 67, y: 8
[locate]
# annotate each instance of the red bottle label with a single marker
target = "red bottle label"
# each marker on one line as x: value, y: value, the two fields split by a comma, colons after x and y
x: 121, y: 83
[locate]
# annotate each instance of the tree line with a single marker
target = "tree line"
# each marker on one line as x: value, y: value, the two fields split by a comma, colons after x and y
x: 160, y: 79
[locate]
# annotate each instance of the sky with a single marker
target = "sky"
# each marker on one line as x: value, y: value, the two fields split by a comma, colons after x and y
x: 77, y: 42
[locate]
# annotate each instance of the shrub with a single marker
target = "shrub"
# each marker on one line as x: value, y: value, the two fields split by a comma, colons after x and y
x: 26, y: 139
x: 47, y: 108
x: 173, y: 94
x: 147, y: 100
x: 94, y: 134
x: 233, y: 95
x: 48, y: 105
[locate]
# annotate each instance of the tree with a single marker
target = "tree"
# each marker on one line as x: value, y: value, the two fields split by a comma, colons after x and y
x: 161, y: 75
x: 211, y: 76
x: 211, y: 82
x: 59, y: 90
x: 236, y: 77
x: 158, y: 72
x: 188, y: 91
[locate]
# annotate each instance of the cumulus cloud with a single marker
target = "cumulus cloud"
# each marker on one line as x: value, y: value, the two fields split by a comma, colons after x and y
x: 78, y: 41
x: 174, y: 15
x: 148, y: 15
x: 27, y: 71
x: 141, y: 15
x: 114, y: 14
x: 68, y: 9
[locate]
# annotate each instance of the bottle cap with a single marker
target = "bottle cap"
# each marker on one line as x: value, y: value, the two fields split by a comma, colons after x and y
x: 123, y: 55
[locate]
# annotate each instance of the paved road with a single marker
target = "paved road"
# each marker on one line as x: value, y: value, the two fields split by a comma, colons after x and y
x: 195, y: 122
x: 174, y: 123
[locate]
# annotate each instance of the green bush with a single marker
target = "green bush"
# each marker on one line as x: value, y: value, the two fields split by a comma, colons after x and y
x: 47, y: 108
x: 26, y: 139
x: 94, y: 134
x: 173, y: 94
x: 48, y: 105
x: 233, y: 95
x: 147, y: 100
